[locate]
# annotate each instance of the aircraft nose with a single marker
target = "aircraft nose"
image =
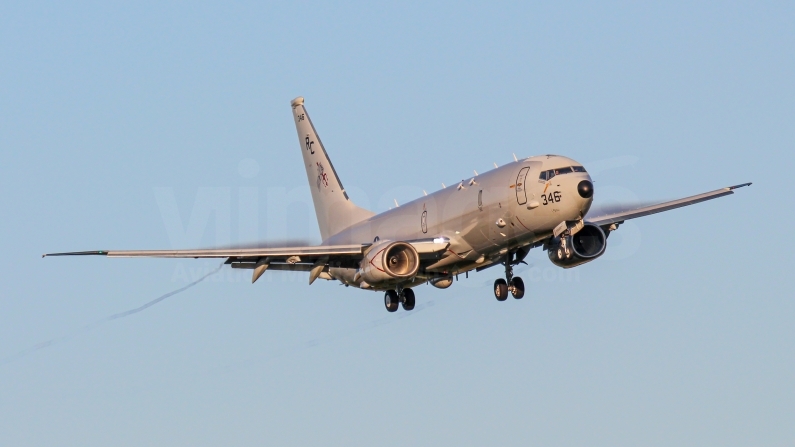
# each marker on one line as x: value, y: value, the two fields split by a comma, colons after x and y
x: 585, y: 189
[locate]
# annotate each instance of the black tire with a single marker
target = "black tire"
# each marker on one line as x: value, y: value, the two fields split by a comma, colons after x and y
x: 391, y: 300
x: 408, y: 299
x: 500, y: 290
x: 517, y: 288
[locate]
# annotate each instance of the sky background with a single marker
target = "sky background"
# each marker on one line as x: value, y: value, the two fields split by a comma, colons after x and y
x: 158, y: 125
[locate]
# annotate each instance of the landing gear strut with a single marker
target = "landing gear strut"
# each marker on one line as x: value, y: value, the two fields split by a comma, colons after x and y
x: 512, y: 284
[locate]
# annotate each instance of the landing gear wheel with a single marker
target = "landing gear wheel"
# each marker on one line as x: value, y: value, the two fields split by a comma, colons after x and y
x: 408, y: 299
x: 560, y: 254
x: 500, y: 289
x: 391, y: 300
x: 517, y: 288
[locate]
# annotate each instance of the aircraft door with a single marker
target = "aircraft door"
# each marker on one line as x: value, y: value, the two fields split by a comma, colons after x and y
x: 521, y: 186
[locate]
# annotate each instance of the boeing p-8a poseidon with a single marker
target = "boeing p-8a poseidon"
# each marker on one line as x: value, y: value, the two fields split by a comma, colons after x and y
x: 494, y: 218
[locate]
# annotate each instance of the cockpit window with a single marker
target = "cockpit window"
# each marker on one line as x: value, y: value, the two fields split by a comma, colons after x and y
x: 548, y: 175
x: 561, y: 171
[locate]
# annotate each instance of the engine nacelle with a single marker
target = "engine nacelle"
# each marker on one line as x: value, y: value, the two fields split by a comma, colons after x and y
x: 586, y: 245
x: 388, y: 262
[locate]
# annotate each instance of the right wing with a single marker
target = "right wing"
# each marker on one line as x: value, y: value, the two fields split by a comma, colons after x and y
x: 314, y: 259
x: 231, y: 253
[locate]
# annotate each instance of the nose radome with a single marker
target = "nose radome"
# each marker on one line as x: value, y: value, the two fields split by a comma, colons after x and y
x: 585, y: 189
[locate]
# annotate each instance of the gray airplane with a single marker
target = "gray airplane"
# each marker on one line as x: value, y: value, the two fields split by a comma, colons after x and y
x: 490, y: 219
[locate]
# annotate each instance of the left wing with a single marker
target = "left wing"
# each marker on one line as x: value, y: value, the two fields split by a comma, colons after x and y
x: 621, y: 216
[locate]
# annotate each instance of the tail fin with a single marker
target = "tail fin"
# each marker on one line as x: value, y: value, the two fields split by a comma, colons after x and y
x: 333, y: 208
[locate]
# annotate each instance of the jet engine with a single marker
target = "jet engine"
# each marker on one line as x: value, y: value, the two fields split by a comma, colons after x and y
x: 586, y: 245
x: 387, y: 262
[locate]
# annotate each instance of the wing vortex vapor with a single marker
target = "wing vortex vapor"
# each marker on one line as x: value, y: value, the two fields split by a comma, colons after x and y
x: 116, y: 316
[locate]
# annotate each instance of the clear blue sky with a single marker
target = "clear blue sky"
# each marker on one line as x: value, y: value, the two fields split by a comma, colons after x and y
x: 120, y: 123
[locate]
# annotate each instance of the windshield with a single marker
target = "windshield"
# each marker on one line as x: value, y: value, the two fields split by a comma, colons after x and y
x: 547, y: 175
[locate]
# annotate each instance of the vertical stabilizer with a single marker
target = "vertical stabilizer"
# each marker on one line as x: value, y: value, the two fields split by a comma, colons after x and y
x: 333, y: 208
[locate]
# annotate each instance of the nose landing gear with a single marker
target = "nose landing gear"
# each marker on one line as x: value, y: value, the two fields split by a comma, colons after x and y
x: 500, y: 289
x: 517, y: 288
x: 512, y: 284
x: 564, y: 251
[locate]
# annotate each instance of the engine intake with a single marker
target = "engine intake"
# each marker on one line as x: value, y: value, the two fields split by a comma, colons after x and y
x: 586, y: 245
x: 389, y: 262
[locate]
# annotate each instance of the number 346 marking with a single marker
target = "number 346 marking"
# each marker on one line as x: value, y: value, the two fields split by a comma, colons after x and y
x: 552, y: 197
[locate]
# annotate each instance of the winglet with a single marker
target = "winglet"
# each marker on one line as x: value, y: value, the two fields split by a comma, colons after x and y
x: 731, y: 188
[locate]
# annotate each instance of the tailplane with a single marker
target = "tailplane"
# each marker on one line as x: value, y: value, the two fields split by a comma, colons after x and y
x: 335, y: 211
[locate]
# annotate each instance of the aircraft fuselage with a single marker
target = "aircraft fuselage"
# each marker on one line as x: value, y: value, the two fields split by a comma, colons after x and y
x: 484, y: 216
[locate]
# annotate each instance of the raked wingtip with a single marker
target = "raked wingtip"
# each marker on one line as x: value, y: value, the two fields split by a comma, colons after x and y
x: 732, y: 188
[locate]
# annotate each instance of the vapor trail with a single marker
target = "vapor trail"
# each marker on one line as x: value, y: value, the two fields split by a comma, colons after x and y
x: 90, y: 326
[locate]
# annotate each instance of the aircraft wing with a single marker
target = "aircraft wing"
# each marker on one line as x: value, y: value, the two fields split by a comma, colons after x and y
x: 314, y: 259
x: 242, y: 253
x: 618, y: 217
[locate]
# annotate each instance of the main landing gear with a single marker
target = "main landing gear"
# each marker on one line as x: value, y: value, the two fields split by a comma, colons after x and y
x: 513, y: 284
x: 400, y: 296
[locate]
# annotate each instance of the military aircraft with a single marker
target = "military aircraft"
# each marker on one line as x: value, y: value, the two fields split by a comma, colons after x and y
x: 486, y: 220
